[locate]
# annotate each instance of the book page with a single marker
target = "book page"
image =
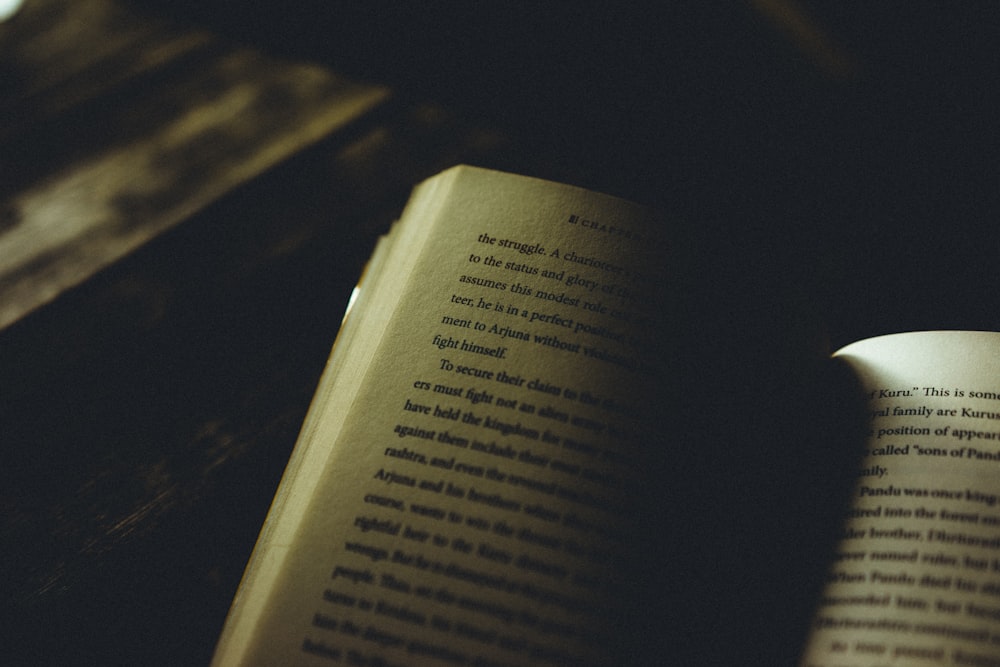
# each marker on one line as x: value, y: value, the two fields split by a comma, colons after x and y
x: 916, y: 576
x: 465, y: 500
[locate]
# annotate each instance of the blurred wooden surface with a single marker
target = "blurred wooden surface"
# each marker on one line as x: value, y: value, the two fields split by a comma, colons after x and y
x: 119, y: 126
x: 148, y: 408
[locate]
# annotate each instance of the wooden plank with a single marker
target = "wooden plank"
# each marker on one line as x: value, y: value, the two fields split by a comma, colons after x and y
x: 169, y: 143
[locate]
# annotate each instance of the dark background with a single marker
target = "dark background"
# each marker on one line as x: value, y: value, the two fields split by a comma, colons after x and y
x: 863, y: 154
x: 824, y: 183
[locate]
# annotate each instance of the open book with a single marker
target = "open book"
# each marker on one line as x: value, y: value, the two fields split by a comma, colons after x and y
x: 464, y: 488
x: 916, y: 576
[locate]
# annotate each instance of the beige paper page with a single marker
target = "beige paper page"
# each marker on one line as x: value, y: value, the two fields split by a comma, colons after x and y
x: 477, y: 481
x: 916, y: 577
